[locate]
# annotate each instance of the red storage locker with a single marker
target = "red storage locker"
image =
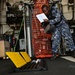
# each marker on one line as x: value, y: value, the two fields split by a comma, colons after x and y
x: 40, y: 41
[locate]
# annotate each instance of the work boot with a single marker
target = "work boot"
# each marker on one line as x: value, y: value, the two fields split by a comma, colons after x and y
x: 54, y: 56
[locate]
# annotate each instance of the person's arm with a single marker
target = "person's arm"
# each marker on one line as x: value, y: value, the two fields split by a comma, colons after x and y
x: 56, y: 13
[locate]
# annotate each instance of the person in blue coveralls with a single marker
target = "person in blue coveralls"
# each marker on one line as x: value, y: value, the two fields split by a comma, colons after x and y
x: 56, y: 18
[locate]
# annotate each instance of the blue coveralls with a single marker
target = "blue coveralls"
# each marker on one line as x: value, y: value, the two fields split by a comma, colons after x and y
x: 62, y: 29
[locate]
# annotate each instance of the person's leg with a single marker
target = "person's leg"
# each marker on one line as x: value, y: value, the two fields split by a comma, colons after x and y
x: 56, y: 37
x: 68, y: 37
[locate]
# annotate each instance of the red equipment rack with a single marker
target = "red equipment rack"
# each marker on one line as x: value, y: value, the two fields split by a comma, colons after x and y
x: 41, y: 42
